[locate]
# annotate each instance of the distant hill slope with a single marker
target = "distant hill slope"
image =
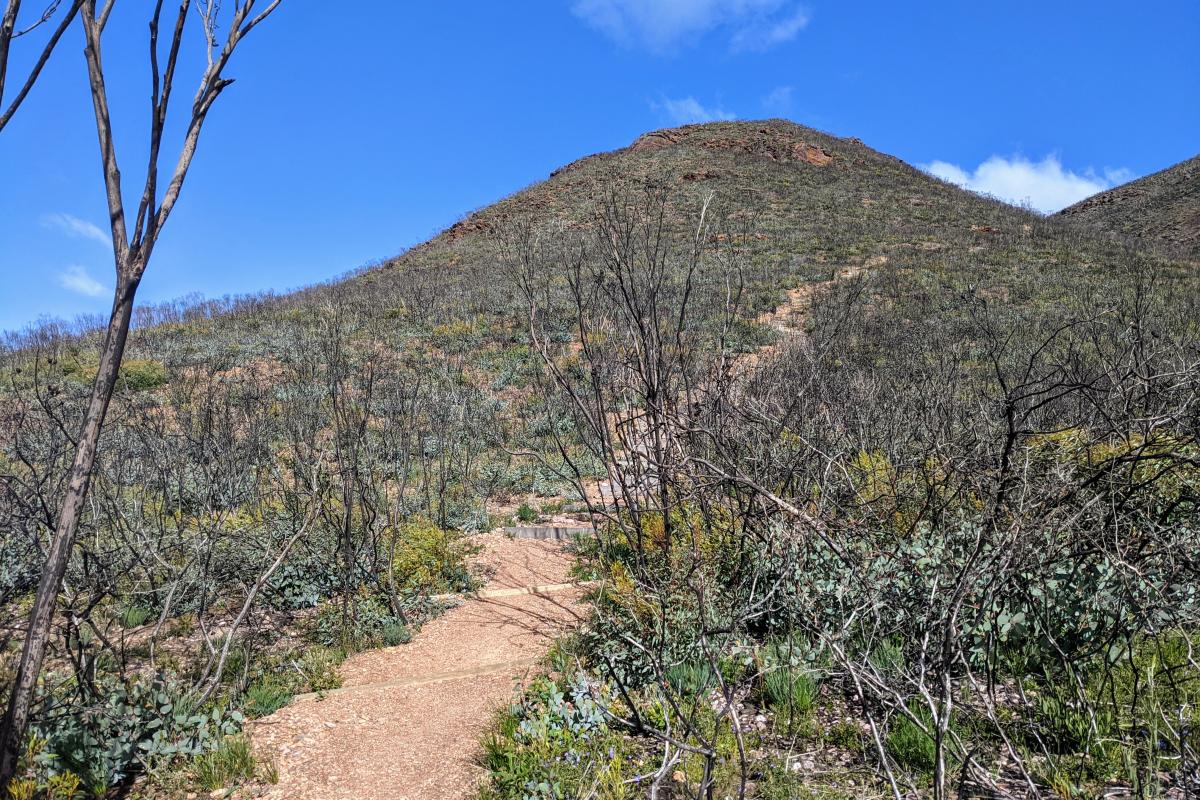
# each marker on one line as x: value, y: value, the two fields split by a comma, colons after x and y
x: 804, y: 205
x: 1163, y: 207
x: 817, y: 203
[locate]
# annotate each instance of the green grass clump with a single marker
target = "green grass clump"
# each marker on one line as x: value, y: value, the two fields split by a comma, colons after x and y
x: 910, y: 746
x: 793, y: 689
x: 790, y: 681
x: 230, y: 763
x: 691, y: 677
x: 135, y: 616
x: 266, y: 696
x: 319, y: 665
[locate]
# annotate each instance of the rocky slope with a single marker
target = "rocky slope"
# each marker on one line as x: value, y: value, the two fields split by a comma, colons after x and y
x: 1163, y: 208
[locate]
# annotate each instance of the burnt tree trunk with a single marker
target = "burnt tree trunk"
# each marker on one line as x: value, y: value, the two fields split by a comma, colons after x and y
x: 37, y: 639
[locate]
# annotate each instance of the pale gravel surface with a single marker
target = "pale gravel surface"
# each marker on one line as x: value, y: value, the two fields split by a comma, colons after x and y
x: 413, y: 739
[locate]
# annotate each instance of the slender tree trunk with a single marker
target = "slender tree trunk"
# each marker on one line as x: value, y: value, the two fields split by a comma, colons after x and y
x: 37, y: 638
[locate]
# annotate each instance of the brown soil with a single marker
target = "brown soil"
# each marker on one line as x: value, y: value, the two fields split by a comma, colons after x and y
x: 408, y: 722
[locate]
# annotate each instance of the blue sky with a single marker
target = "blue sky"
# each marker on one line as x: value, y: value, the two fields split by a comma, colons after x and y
x: 351, y: 135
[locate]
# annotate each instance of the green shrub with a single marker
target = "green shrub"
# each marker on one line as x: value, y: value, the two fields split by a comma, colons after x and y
x: 36, y: 777
x: 555, y: 744
x: 367, y: 622
x: 134, y: 374
x: 128, y: 725
x: 396, y: 633
x: 300, y: 583
x: 527, y: 513
x: 846, y: 735
x: 141, y: 374
x: 431, y: 560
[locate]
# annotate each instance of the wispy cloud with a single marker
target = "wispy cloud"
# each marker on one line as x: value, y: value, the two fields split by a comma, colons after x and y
x: 765, y: 33
x: 74, y: 226
x: 686, y: 110
x: 76, y: 279
x: 1045, y: 185
x: 662, y: 26
x: 779, y: 100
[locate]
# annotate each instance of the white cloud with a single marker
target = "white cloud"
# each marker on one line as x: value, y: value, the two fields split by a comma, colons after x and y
x: 686, y: 110
x: 662, y: 25
x: 76, y: 279
x: 779, y: 100
x: 767, y: 33
x: 74, y: 226
x: 1043, y: 185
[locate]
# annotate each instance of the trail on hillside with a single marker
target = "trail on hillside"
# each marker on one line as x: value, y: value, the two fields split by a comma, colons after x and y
x: 407, y: 723
x: 408, y: 720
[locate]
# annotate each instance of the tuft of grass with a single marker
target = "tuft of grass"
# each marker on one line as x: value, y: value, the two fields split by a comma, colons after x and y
x: 135, y: 616
x: 909, y: 745
x: 791, y: 688
x: 691, y: 677
x: 265, y: 697
x: 319, y: 665
x: 396, y: 633
x: 230, y: 763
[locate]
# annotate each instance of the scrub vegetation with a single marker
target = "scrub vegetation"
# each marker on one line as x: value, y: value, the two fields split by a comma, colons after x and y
x: 899, y: 489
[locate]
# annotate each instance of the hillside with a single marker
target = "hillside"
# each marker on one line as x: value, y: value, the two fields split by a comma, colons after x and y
x: 857, y: 446
x: 815, y: 202
x: 1161, y: 208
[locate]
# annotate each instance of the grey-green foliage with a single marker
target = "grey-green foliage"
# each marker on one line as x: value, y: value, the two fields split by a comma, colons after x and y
x: 19, y: 565
x: 127, y: 726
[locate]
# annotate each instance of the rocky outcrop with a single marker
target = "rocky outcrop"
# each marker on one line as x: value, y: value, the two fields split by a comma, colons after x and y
x: 765, y: 142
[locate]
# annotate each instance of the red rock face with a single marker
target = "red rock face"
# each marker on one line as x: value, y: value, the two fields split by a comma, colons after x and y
x: 811, y: 154
x: 471, y: 224
x: 657, y: 139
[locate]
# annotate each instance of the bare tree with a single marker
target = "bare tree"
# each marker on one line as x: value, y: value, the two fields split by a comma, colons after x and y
x: 9, y: 31
x: 131, y: 254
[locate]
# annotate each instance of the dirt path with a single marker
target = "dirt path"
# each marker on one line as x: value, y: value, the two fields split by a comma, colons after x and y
x: 407, y: 723
x: 409, y: 719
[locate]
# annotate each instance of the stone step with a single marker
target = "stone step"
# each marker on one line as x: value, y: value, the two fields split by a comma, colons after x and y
x: 516, y: 591
x: 520, y: 664
x: 551, y: 532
